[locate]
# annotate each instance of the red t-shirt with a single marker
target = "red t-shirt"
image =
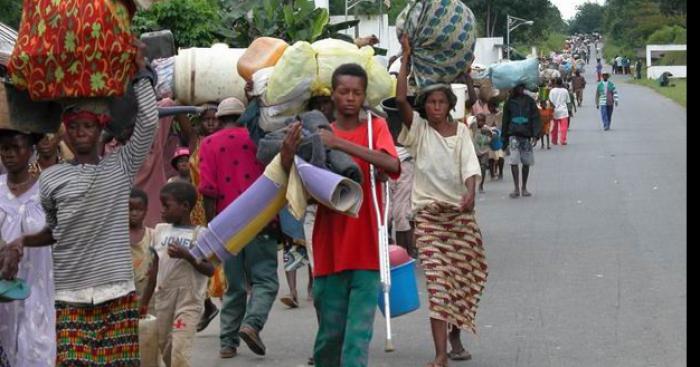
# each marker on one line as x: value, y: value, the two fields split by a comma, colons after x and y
x: 227, y: 165
x: 344, y: 243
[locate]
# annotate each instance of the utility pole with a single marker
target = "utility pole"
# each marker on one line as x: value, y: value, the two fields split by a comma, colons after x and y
x: 511, y: 24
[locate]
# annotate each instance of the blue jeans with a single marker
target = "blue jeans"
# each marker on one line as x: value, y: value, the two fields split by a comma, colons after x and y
x: 255, y: 264
x: 606, y: 114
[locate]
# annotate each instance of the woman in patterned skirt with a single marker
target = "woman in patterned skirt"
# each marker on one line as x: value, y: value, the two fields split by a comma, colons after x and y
x: 447, y: 236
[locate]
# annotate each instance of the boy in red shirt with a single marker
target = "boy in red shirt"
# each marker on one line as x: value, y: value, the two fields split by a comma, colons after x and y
x: 346, y: 249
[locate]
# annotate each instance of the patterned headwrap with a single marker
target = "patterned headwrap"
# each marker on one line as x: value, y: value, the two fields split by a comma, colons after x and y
x: 91, y: 110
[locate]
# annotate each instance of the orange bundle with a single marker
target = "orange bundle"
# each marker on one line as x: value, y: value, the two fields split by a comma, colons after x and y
x: 74, y: 48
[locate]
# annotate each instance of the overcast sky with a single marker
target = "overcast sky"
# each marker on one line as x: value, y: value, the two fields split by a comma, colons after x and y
x: 568, y: 7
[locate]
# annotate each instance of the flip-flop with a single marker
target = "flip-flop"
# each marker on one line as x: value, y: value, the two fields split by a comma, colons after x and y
x: 514, y: 195
x: 459, y: 356
x: 204, y: 323
x: 526, y: 194
x: 289, y: 301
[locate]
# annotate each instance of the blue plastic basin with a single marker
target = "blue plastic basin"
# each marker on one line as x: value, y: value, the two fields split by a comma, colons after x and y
x: 403, y: 296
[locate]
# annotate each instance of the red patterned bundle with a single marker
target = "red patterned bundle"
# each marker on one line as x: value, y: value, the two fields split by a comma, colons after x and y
x: 74, y: 48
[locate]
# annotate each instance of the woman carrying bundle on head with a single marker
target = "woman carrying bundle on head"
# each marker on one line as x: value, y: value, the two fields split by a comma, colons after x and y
x: 447, y: 169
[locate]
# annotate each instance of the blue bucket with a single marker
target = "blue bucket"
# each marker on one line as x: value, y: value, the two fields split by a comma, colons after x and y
x: 403, y: 296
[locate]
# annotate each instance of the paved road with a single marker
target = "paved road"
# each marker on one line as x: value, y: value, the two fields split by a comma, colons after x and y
x: 590, y: 271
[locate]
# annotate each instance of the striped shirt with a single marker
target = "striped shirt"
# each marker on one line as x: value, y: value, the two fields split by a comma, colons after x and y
x: 87, y: 209
x: 602, y: 93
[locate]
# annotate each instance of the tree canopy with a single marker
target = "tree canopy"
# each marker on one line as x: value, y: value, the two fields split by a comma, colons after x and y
x: 11, y: 12
x: 589, y: 18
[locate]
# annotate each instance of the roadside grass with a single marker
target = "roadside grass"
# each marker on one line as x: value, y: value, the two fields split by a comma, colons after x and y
x: 678, y: 93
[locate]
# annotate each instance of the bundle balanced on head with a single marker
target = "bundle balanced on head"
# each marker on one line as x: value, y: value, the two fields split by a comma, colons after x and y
x: 93, y: 274
x: 447, y: 168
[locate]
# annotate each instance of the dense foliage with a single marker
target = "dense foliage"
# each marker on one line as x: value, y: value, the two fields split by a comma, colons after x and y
x: 629, y: 25
x: 11, y: 12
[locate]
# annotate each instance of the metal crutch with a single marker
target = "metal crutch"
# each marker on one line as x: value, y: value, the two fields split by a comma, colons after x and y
x: 382, y: 225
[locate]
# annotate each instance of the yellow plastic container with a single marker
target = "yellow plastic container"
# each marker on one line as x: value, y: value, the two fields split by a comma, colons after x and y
x: 262, y: 53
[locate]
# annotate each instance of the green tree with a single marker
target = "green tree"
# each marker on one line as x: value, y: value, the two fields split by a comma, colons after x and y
x: 589, y: 18
x: 11, y: 12
x: 669, y: 35
x: 193, y: 22
x: 628, y: 24
x: 493, y: 14
x: 297, y: 20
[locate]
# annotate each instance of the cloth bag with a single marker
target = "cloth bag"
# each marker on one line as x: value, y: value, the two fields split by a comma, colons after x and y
x: 74, y: 48
x: 148, y: 341
x: 509, y: 74
x: 443, y: 36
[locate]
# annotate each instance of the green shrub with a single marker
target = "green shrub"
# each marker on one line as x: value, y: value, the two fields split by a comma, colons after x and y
x: 193, y: 22
x: 669, y: 35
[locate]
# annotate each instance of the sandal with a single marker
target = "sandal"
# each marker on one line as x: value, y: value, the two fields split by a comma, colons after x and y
x: 514, y: 195
x: 289, y: 301
x: 206, y: 319
x: 463, y: 355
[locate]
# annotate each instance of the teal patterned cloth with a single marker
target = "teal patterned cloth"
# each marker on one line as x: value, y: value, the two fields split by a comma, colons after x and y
x: 443, y: 36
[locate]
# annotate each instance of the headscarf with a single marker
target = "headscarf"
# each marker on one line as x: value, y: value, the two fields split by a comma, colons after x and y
x: 89, y: 109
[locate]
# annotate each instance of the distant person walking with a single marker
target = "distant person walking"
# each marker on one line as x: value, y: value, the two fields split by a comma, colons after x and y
x: 599, y: 69
x: 559, y: 97
x: 605, y: 96
x: 521, y: 128
x: 618, y: 64
x: 638, y: 69
x: 578, y: 83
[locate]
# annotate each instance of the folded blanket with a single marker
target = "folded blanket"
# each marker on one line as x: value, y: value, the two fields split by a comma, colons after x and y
x: 311, y: 148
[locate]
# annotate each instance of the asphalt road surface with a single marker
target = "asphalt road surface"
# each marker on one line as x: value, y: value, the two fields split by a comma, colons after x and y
x: 589, y: 271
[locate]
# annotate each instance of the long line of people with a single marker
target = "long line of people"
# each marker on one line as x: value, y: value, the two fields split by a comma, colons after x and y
x: 109, y: 222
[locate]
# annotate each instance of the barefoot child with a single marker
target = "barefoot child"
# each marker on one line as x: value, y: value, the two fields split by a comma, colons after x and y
x: 482, y: 141
x: 546, y: 115
x: 182, y: 281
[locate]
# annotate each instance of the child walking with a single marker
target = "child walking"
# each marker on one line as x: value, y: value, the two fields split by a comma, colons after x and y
x: 346, y: 250
x: 141, y: 239
x: 482, y: 145
x: 546, y: 115
x: 181, y: 285
x: 181, y: 163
